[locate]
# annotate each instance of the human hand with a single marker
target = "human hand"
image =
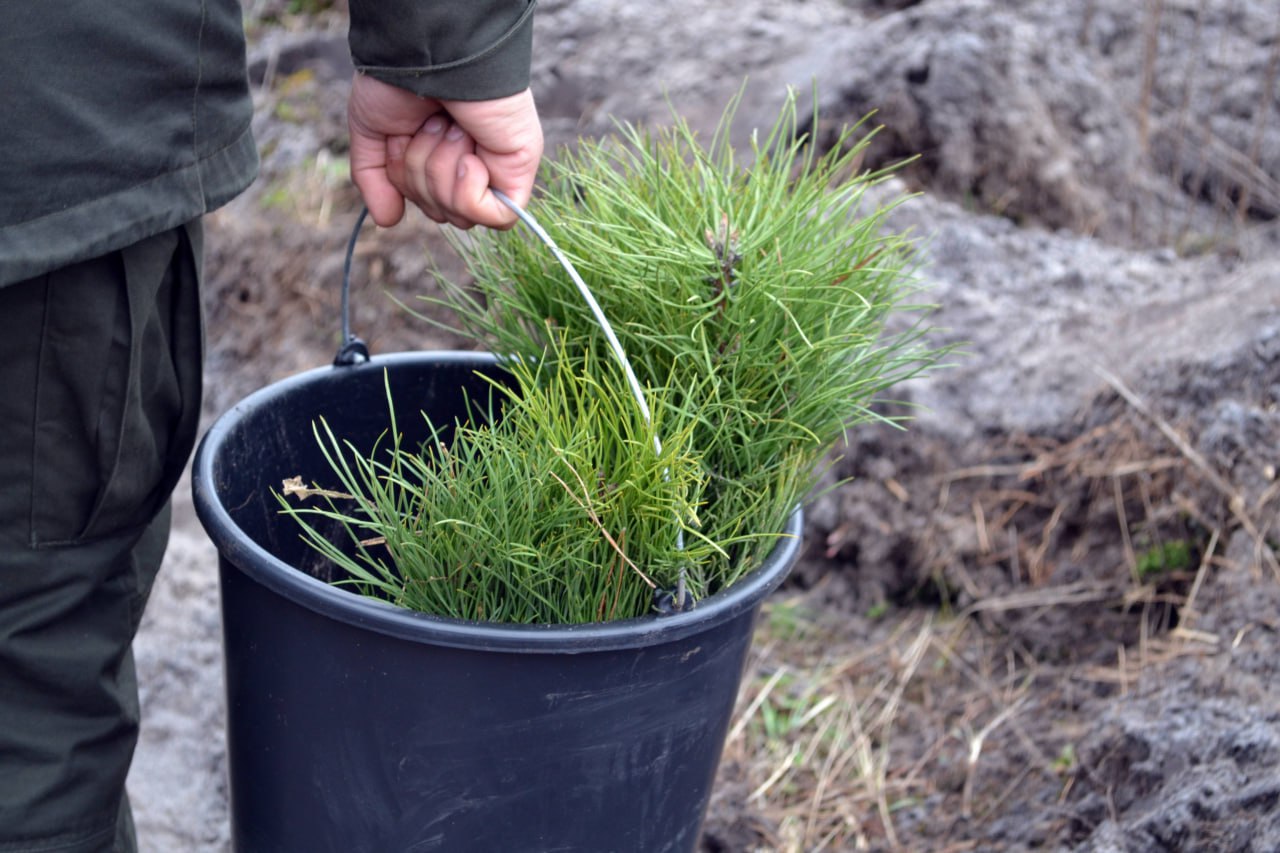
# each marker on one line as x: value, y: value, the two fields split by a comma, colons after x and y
x: 444, y: 156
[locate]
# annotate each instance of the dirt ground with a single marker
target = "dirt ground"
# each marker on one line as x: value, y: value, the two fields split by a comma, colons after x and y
x: 1047, y: 615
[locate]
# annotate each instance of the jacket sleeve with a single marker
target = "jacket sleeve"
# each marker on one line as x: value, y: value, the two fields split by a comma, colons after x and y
x: 470, y: 50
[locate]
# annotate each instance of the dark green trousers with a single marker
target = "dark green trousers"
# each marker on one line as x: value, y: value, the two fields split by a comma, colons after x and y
x: 100, y: 380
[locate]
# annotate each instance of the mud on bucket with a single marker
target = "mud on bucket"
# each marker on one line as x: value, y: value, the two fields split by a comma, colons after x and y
x: 355, y: 725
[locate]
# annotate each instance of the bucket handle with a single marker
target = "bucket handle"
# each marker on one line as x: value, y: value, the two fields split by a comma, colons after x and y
x: 590, y: 299
x: 664, y: 600
x: 354, y: 351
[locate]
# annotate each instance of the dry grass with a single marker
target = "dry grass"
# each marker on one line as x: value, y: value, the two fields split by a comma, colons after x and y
x: 831, y: 745
x: 1201, y: 183
x: 813, y: 740
x: 856, y: 732
x: 1234, y: 498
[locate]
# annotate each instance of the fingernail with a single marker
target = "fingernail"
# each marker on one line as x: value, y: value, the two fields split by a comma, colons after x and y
x: 462, y: 169
x: 434, y: 125
x: 454, y: 134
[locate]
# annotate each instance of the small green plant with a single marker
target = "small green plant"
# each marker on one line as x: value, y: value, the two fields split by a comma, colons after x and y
x: 1066, y: 761
x: 308, y: 7
x: 751, y: 297
x: 1171, y: 556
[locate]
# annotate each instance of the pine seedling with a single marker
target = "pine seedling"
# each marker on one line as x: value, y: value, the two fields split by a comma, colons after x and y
x: 752, y: 295
x: 560, y: 511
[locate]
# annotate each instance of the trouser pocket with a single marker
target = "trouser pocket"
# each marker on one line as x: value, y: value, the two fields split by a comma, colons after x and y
x: 117, y: 395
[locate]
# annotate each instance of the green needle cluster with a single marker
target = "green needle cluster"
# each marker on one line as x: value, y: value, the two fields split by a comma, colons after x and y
x: 751, y: 296
x: 562, y: 511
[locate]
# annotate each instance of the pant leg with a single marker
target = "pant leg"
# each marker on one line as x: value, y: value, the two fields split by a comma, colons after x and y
x: 100, y: 381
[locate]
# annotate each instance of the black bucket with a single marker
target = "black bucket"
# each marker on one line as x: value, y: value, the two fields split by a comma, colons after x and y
x: 354, y: 725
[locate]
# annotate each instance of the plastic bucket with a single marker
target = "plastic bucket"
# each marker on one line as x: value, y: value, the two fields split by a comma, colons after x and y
x: 354, y: 725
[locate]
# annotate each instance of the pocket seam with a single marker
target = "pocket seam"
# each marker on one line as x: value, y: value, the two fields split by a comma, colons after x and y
x: 33, y: 540
x: 103, y: 443
x: 109, y: 468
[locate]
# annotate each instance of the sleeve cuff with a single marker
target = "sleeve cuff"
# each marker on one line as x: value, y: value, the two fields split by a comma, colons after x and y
x: 496, y: 70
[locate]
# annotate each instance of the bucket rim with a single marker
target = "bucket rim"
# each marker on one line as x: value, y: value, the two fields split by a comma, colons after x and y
x: 238, y: 552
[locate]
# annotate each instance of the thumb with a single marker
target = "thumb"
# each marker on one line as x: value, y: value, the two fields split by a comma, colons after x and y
x: 473, y: 193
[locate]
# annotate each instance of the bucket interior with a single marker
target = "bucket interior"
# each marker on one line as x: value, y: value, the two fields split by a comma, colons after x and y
x: 271, y: 438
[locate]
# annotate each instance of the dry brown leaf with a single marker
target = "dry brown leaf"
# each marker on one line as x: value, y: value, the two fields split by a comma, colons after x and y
x: 295, y: 486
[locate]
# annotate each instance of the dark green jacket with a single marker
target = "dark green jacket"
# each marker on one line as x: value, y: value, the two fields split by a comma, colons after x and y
x: 119, y: 120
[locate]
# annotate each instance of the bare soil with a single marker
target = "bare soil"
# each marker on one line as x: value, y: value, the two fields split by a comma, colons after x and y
x: 1045, y: 617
